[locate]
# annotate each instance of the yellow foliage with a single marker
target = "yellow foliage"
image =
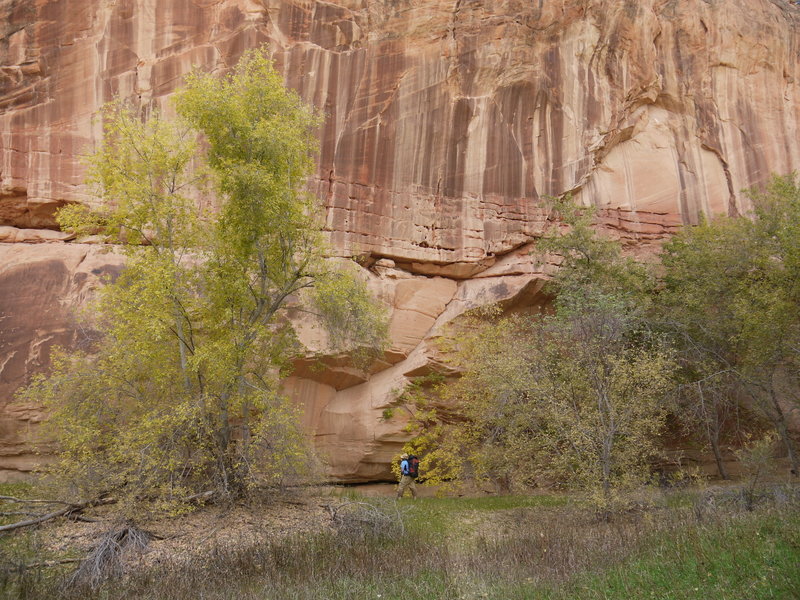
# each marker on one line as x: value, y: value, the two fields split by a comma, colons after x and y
x: 179, y: 394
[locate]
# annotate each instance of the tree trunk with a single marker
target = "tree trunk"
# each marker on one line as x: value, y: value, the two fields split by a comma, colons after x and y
x: 789, y: 445
x: 712, y: 435
x: 182, y: 350
x: 605, y: 461
x: 783, y: 431
x: 718, y: 458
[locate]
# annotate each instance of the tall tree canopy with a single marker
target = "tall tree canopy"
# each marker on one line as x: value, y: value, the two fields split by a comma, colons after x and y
x: 575, y: 397
x: 731, y: 298
x: 180, y: 393
x: 578, y: 396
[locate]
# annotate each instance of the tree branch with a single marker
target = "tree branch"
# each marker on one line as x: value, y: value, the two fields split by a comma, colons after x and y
x: 66, y: 511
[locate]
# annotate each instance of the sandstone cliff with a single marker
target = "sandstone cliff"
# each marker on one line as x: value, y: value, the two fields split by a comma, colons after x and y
x: 446, y: 122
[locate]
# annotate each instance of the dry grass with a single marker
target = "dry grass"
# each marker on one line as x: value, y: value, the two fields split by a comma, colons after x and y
x: 467, y: 548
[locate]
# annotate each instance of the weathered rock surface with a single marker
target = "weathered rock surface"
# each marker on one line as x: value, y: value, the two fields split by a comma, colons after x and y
x: 446, y: 123
x: 42, y: 286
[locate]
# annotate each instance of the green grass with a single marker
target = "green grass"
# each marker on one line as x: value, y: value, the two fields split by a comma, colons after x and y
x: 489, y: 502
x: 14, y: 490
x: 21, y: 489
x: 25, y: 547
x: 442, y: 515
x: 750, y: 557
x: 502, y: 548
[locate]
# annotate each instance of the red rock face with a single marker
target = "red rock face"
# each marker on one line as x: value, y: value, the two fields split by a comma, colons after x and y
x: 446, y: 124
x: 41, y: 288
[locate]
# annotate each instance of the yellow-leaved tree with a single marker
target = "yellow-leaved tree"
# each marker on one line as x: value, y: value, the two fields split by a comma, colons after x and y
x: 179, y: 394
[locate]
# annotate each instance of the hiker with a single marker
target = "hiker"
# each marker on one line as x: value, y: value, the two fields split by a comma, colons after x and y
x: 409, y: 470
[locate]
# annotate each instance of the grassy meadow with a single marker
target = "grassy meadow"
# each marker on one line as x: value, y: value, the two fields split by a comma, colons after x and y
x: 669, y: 545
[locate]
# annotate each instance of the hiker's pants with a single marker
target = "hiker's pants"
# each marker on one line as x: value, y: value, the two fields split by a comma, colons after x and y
x: 407, y: 482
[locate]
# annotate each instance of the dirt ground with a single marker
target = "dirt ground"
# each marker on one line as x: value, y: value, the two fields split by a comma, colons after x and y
x: 208, y: 527
x: 211, y: 526
x: 389, y: 490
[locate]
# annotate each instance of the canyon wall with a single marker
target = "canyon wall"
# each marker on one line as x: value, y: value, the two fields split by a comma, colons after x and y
x: 446, y: 124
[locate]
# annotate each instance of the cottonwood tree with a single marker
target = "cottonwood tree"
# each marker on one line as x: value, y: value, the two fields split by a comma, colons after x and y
x: 180, y: 394
x: 731, y: 294
x: 576, y: 397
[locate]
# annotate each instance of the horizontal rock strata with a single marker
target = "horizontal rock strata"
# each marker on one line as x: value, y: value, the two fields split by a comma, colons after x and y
x: 447, y: 124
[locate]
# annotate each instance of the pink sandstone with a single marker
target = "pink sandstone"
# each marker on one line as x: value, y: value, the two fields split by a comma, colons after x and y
x: 446, y: 124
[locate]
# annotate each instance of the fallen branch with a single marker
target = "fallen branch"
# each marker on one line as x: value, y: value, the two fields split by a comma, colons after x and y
x: 67, y: 510
x: 200, y: 497
x: 81, y: 518
x: 52, y: 563
x: 33, y: 501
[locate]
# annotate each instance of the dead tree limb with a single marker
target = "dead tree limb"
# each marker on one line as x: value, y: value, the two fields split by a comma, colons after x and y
x: 67, y: 510
x: 201, y: 497
x: 33, y: 501
x: 81, y: 518
x: 52, y: 563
